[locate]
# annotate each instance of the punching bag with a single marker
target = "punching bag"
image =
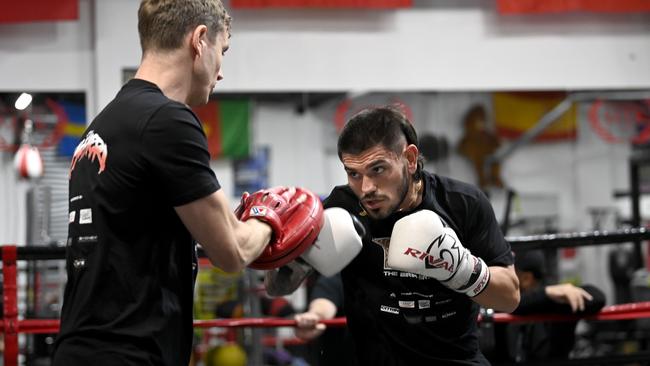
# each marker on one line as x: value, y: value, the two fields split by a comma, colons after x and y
x: 28, y: 162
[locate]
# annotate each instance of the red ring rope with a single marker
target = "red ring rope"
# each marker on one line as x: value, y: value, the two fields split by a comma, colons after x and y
x: 11, y: 326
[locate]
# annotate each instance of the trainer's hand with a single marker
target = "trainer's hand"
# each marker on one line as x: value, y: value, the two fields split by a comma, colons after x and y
x: 420, y: 243
x: 308, y: 326
x: 567, y: 293
x: 294, y: 214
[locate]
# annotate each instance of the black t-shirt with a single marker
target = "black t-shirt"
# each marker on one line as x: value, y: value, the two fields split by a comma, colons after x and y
x: 131, y: 264
x: 335, y: 346
x: 400, y: 318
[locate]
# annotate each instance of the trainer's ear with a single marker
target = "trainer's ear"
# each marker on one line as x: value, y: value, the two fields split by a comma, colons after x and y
x: 198, y: 39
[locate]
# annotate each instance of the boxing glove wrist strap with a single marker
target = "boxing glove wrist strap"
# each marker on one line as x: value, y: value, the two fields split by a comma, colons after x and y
x: 471, y: 277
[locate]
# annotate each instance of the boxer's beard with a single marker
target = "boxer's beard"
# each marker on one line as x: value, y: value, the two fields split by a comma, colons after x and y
x: 402, y: 192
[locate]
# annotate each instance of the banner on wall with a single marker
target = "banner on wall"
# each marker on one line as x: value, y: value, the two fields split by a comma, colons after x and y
x: 363, y: 4
x: 227, y: 126
x: 562, y: 6
x: 17, y: 11
x: 72, y: 118
x: 517, y: 112
x: 252, y: 174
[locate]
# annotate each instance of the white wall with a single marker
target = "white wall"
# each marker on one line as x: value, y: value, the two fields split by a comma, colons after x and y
x: 48, y: 56
x: 447, y: 45
x: 442, y: 46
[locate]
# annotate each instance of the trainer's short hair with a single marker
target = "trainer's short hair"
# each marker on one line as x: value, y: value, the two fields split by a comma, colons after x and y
x: 385, y: 126
x: 163, y: 24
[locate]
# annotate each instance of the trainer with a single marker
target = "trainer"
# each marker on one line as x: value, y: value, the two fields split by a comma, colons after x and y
x: 142, y: 194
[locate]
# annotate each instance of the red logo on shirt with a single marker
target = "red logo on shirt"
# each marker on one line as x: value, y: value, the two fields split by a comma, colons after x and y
x: 91, y: 147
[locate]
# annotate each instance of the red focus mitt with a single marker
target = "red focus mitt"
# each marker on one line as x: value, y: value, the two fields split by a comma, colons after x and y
x: 294, y: 214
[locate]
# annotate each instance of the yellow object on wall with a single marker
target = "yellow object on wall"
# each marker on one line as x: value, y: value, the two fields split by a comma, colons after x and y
x: 517, y: 112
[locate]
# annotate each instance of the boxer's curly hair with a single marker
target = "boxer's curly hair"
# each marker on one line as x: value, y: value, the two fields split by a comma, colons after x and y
x: 163, y: 24
x: 383, y: 126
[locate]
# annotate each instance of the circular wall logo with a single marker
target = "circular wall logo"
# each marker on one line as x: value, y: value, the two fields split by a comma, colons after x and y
x: 621, y: 121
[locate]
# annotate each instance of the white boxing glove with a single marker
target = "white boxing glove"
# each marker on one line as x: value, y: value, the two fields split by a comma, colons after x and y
x: 338, y: 242
x: 420, y: 243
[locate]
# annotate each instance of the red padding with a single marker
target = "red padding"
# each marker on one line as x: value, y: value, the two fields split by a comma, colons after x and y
x: 15, y: 11
x: 367, y: 4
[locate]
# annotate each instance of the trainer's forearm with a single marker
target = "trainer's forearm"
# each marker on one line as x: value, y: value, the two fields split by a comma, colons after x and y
x: 252, y: 237
x: 502, y: 293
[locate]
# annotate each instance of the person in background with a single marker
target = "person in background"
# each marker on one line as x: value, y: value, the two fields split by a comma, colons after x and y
x: 542, y: 341
x: 332, y: 345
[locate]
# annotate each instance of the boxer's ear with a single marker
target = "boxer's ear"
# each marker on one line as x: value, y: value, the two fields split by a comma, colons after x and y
x: 411, y: 154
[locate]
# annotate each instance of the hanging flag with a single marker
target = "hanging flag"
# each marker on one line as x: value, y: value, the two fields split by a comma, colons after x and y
x: 517, y: 112
x: 15, y: 11
x: 226, y: 125
x: 71, y: 124
x: 362, y: 4
x: 561, y: 6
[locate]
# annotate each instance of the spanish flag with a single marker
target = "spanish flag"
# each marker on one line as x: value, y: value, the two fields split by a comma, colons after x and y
x: 517, y: 112
x: 226, y: 125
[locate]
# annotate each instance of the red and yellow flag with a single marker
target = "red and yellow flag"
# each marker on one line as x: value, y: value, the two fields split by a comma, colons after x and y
x: 517, y: 112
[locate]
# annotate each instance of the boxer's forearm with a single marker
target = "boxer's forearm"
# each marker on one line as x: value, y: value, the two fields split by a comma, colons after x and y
x: 502, y: 293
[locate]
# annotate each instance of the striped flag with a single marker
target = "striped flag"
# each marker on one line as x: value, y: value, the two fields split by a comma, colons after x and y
x: 517, y: 112
x: 226, y: 125
x: 72, y: 121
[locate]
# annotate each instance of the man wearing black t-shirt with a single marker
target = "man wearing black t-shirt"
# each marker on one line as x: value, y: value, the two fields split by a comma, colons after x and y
x: 141, y: 191
x: 432, y: 255
x: 333, y: 346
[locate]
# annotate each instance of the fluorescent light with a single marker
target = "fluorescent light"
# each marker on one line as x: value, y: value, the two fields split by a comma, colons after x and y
x: 23, y: 101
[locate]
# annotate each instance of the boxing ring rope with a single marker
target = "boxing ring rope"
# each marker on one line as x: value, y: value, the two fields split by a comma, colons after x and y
x: 614, y: 312
x: 579, y: 239
x: 12, y: 326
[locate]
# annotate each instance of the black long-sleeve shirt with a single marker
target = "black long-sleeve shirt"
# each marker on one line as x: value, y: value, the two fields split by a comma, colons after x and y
x: 537, y: 302
x: 542, y: 340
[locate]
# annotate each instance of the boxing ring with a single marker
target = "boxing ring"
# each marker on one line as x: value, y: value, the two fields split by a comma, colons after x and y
x: 12, y: 325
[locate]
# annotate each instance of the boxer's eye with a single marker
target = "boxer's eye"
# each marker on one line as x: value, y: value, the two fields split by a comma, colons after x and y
x: 353, y: 175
